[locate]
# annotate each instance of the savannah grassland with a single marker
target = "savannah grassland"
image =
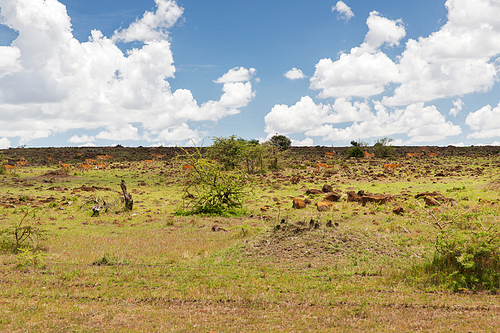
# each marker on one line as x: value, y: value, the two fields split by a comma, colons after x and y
x: 152, y: 270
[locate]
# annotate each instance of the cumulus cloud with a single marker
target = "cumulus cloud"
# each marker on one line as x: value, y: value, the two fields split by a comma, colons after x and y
x: 420, y: 123
x: 294, y: 74
x: 462, y: 57
x: 344, y: 11
x: 152, y: 26
x: 458, y: 105
x: 365, y: 71
x: 51, y: 83
x: 81, y: 139
x: 485, y: 122
x: 4, y: 143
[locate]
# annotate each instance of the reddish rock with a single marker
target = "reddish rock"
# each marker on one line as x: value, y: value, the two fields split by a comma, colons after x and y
x: 323, y: 206
x: 313, y: 191
x: 398, y: 210
x: 298, y: 203
x: 327, y: 188
x: 333, y: 197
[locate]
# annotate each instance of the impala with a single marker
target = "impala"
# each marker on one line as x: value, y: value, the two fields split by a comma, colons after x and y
x: 433, y: 154
x: 368, y: 155
x: 391, y: 167
x: 9, y: 168
x: 330, y: 154
x: 101, y: 166
x: 90, y: 161
x: 85, y: 167
x: 187, y: 167
x: 64, y: 166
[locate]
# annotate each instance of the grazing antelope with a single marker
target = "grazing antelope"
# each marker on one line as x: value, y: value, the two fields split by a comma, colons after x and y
x: 148, y: 162
x: 90, y: 161
x: 9, y: 168
x: 330, y: 154
x: 21, y: 163
x: 368, y: 155
x: 391, y: 167
x: 433, y: 154
x: 50, y: 159
x: 410, y: 154
x: 187, y: 167
x: 65, y: 167
x: 85, y: 167
x: 100, y: 166
x: 323, y: 166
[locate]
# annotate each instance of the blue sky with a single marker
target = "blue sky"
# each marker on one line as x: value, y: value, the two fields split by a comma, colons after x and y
x: 149, y: 73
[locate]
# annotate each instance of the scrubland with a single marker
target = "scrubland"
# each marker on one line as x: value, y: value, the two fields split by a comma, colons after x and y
x: 271, y: 268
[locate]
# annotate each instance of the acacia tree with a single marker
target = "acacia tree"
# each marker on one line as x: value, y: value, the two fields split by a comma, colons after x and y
x: 229, y: 151
x: 209, y: 189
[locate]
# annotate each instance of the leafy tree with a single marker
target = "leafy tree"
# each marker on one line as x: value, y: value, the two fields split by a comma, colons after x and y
x: 229, y: 151
x: 356, y: 151
x: 280, y: 141
x: 211, y: 190
x: 381, y: 148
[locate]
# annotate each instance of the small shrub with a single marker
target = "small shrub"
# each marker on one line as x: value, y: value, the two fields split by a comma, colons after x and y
x: 355, y: 152
x: 22, y: 236
x: 27, y: 258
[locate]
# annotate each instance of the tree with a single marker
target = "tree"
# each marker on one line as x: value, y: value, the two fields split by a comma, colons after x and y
x: 229, y: 151
x: 381, y: 148
x: 280, y: 141
x: 209, y: 189
x: 356, y: 151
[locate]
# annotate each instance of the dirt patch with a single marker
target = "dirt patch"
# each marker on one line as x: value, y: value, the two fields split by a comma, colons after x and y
x: 55, y: 174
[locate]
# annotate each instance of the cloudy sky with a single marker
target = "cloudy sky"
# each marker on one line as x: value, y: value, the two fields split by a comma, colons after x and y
x: 160, y: 72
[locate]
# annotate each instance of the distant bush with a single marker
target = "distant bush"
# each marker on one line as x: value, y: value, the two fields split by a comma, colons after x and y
x: 381, y: 148
x: 355, y: 152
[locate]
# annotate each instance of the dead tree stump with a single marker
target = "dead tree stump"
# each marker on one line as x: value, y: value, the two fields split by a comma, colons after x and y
x: 129, y: 203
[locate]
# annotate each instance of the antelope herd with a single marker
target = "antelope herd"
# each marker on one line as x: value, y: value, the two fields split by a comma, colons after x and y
x: 100, y: 163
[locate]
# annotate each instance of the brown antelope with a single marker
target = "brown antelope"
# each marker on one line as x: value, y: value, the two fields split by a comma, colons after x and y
x: 100, y: 166
x: 433, y: 154
x: 187, y: 167
x: 320, y: 166
x: 391, y: 167
x: 50, y: 159
x: 330, y: 154
x: 410, y: 154
x: 85, y: 167
x: 368, y: 155
x: 90, y: 161
x: 148, y: 162
x: 65, y: 167
x: 9, y: 168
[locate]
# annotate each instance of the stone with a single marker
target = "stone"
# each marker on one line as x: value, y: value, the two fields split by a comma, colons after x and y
x: 298, y: 203
x: 333, y: 197
x: 327, y: 188
x: 323, y: 206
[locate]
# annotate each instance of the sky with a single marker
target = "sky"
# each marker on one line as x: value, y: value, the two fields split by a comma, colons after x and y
x: 179, y: 73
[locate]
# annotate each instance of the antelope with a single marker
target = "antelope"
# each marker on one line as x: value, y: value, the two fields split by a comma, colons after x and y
x: 101, y: 166
x: 148, y: 162
x: 50, y: 159
x: 368, y: 155
x: 21, y: 163
x: 324, y: 166
x: 64, y: 166
x: 433, y: 154
x: 391, y: 167
x: 90, y: 161
x: 187, y: 167
x: 410, y: 154
x: 85, y: 167
x: 9, y: 168
x: 330, y: 154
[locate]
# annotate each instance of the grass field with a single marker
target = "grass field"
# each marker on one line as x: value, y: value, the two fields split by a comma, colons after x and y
x: 352, y: 268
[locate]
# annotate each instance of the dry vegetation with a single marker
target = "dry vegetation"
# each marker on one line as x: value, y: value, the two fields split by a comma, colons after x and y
x: 353, y: 267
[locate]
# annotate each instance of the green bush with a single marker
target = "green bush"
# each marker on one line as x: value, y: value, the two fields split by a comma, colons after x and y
x: 466, y: 259
x: 209, y: 189
x: 355, y: 152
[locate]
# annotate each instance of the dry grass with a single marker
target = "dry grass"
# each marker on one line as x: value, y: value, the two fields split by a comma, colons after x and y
x: 172, y: 273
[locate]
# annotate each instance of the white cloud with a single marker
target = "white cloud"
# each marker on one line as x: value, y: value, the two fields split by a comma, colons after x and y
x: 294, y: 74
x: 80, y: 139
x: 152, y: 26
x: 345, y: 12
x: 458, y: 107
x: 365, y: 71
x: 485, y: 122
x: 456, y: 60
x: 304, y: 143
x: 5, y: 143
x: 236, y: 74
x: 420, y: 123
x: 51, y: 83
